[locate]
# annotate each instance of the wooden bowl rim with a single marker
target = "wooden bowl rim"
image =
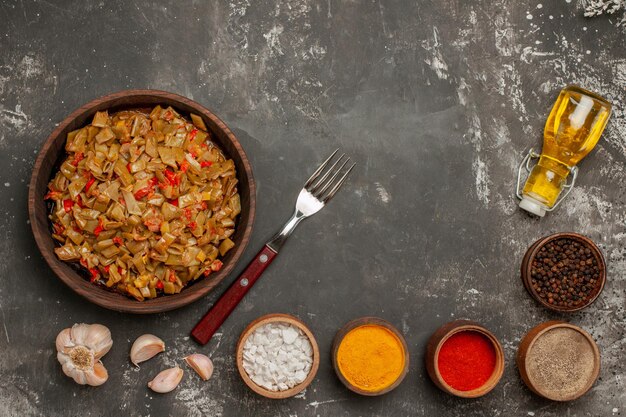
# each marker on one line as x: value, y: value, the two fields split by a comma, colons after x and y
x: 274, y: 318
x: 123, y: 303
x: 364, y: 321
x: 534, y: 249
x: 458, y: 326
x: 528, y: 342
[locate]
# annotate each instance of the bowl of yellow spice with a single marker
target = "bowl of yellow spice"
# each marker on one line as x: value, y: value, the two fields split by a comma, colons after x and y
x: 370, y: 356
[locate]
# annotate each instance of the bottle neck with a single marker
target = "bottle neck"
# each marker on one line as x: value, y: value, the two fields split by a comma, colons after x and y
x: 554, y: 165
x: 546, y: 181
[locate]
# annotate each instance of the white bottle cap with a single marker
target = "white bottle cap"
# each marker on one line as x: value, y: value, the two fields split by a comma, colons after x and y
x: 532, y: 206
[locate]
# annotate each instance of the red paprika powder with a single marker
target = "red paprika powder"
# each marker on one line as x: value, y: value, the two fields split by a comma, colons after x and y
x: 466, y: 360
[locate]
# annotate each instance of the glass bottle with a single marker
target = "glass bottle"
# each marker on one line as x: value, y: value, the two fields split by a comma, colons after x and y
x: 573, y: 128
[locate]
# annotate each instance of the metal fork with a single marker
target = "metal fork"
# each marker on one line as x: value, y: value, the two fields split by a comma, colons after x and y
x: 316, y: 193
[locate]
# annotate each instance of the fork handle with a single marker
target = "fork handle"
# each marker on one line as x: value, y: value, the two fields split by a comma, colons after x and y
x: 213, y: 319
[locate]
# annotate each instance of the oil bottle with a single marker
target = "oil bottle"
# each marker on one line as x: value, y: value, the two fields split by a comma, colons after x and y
x: 573, y: 128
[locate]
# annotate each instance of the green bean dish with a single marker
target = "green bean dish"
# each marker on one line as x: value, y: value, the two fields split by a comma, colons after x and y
x: 144, y: 203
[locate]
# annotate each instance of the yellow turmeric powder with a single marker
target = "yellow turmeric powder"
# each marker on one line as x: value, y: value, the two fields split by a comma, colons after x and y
x: 371, y: 357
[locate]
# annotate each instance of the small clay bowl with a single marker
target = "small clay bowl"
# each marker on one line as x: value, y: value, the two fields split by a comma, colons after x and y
x: 364, y: 321
x: 277, y: 318
x: 432, y: 357
x: 536, y: 247
x: 527, y: 344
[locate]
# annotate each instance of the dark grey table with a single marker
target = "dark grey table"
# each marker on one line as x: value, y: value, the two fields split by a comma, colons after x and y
x: 437, y: 101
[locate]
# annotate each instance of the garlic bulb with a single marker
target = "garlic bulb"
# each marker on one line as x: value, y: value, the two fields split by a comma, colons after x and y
x: 201, y: 364
x: 166, y: 380
x: 79, y: 350
x: 145, y: 347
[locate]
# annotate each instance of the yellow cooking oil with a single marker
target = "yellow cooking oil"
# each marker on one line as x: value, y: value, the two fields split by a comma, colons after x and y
x: 573, y: 128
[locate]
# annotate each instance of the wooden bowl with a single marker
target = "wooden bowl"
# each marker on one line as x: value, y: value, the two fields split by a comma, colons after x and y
x: 527, y: 344
x: 364, y: 321
x: 277, y: 318
x: 536, y: 247
x: 432, y: 357
x: 52, y: 153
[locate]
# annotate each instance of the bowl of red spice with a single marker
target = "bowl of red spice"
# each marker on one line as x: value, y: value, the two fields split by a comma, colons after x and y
x: 564, y: 272
x: 464, y: 359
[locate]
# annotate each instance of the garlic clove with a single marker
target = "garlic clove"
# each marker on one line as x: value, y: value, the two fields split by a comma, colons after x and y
x: 66, y: 364
x: 166, y: 380
x: 64, y: 340
x: 98, y: 339
x: 201, y: 364
x: 145, y: 347
x: 97, y: 376
x: 79, y: 332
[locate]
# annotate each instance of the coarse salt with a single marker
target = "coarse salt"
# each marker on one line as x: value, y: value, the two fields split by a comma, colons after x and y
x: 277, y: 356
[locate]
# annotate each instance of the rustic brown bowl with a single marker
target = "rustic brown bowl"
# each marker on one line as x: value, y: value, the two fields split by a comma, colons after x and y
x: 364, y: 321
x: 53, y: 152
x: 432, y: 357
x: 536, y: 247
x: 273, y: 318
x: 527, y: 344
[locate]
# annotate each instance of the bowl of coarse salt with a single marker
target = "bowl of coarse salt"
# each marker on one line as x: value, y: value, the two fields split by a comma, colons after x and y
x: 277, y: 356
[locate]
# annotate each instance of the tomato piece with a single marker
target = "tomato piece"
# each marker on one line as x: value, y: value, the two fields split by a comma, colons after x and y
x: 184, y: 166
x: 89, y: 183
x: 107, y: 269
x: 53, y: 195
x: 58, y: 228
x: 216, y: 265
x: 142, y: 192
x: 67, y: 205
x: 172, y: 178
x: 99, y: 229
x: 95, y: 274
x: 77, y: 158
x: 118, y: 240
x: 153, y: 224
x: 159, y: 285
x: 205, y: 164
x: 192, y: 225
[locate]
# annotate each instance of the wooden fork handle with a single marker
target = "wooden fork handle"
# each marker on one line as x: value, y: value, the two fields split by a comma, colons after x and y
x: 212, y: 320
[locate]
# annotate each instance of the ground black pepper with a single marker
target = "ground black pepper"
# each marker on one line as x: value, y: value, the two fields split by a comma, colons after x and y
x: 565, y: 273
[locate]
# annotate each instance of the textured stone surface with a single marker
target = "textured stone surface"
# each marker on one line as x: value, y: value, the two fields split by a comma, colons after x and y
x: 436, y: 100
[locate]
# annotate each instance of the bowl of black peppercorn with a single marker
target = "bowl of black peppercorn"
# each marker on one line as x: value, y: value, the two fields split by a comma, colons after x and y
x: 564, y: 272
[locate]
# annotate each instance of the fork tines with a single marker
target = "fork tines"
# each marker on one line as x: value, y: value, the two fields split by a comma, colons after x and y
x: 324, y: 183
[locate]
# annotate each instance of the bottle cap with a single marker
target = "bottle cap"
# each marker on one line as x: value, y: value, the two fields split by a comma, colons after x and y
x: 532, y: 206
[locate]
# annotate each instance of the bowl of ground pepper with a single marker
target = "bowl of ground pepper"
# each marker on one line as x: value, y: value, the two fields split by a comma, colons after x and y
x: 564, y: 272
x: 558, y: 361
x: 370, y: 356
x: 464, y: 359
